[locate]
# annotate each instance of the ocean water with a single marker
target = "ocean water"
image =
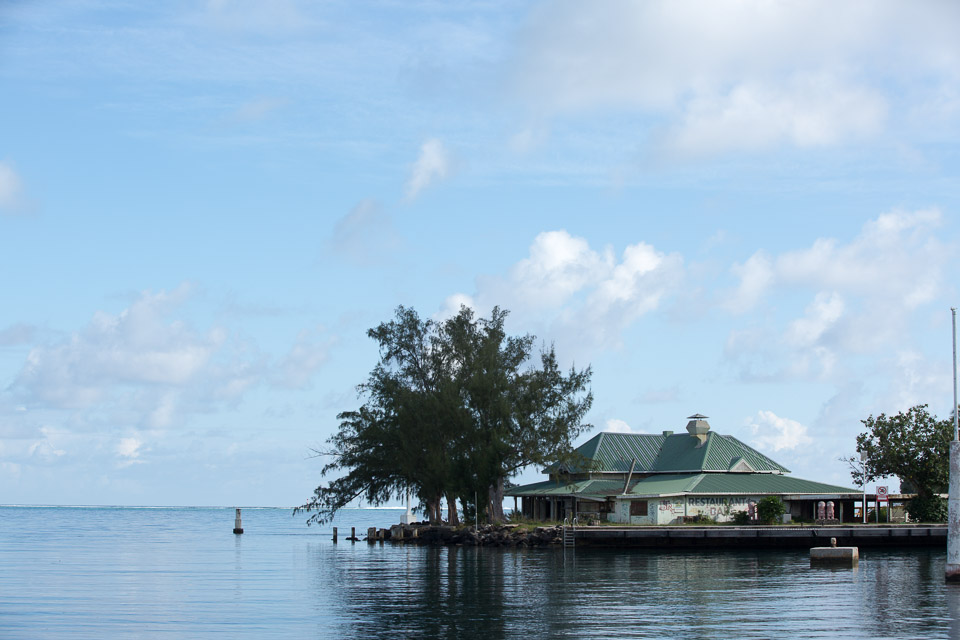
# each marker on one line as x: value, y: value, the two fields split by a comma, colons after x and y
x: 72, y: 572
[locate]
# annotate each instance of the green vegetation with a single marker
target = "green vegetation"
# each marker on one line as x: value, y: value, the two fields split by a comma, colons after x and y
x: 914, y: 446
x: 452, y: 410
x: 770, y: 509
x: 741, y: 518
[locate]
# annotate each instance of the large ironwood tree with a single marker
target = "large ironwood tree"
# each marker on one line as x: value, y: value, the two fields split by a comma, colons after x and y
x: 452, y: 410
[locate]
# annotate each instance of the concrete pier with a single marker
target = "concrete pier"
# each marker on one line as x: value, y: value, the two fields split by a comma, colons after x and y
x: 768, y: 537
x: 834, y: 555
x: 237, y: 525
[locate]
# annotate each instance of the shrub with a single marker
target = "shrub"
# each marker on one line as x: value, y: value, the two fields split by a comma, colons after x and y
x: 741, y: 517
x: 929, y: 509
x: 770, y: 509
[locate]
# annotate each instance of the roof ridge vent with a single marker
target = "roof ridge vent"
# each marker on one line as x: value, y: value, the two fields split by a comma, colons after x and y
x: 698, y: 427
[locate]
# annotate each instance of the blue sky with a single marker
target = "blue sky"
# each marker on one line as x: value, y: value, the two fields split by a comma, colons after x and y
x: 745, y: 209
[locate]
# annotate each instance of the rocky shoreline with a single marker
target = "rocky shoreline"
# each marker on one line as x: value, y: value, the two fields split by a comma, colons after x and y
x: 507, y: 535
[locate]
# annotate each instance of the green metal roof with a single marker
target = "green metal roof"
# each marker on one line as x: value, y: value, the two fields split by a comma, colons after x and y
x: 763, y: 483
x: 598, y: 489
x: 614, y: 452
x: 684, y: 483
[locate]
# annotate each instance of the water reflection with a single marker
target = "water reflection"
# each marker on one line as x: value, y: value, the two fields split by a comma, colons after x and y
x: 384, y: 591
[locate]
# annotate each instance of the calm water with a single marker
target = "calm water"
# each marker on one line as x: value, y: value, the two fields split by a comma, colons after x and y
x: 119, y: 573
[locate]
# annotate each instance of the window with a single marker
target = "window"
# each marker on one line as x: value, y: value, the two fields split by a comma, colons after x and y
x: 638, y: 508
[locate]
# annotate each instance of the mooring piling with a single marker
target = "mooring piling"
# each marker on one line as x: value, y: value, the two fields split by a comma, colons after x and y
x: 237, y: 525
x: 334, y: 535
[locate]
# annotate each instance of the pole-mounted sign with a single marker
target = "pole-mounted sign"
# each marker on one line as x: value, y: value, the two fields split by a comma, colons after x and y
x: 881, y: 494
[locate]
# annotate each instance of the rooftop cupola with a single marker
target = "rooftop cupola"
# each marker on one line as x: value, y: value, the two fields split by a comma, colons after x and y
x: 698, y: 427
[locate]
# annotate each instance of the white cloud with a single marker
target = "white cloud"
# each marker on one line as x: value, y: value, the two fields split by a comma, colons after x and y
x: 141, y: 366
x: 452, y: 304
x: 821, y: 314
x: 129, y: 447
x: 773, y: 433
x: 895, y: 258
x: 810, y: 112
x: 559, y: 265
x: 11, y: 190
x: 615, y: 425
x: 756, y: 276
x: 129, y: 450
x: 863, y: 295
x: 586, y: 296
x: 433, y: 164
x: 137, y: 346
x: 48, y: 448
x: 744, y: 74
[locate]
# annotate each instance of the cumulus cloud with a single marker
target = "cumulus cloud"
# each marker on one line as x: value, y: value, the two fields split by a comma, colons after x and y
x: 756, y: 276
x: 589, y: 296
x: 895, y: 264
x: 739, y: 75
x: 129, y: 450
x: 773, y: 433
x: 142, y: 366
x: 137, y: 346
x: 615, y: 425
x: 433, y: 164
x: 809, y: 112
x: 896, y: 258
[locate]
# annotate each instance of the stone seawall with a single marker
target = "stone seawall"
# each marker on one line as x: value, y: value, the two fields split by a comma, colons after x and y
x: 681, y: 537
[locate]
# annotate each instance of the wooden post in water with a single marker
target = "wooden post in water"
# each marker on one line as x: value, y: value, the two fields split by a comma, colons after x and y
x: 334, y: 535
x: 353, y: 534
x: 237, y: 525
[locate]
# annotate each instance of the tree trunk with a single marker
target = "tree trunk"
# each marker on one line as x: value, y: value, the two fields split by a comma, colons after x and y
x: 452, y: 517
x: 495, y: 508
x: 433, y: 511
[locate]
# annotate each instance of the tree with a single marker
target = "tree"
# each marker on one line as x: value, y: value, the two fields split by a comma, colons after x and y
x: 452, y: 409
x: 770, y: 509
x: 915, y: 446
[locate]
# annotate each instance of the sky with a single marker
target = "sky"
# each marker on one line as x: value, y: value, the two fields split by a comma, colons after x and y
x: 747, y: 209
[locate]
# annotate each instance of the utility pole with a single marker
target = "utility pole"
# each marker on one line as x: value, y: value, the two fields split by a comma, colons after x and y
x: 953, y: 503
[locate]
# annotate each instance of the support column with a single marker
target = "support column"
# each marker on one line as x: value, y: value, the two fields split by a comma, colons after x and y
x: 953, y: 503
x: 953, y: 517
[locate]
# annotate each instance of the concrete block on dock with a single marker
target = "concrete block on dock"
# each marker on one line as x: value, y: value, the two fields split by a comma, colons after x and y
x: 834, y: 555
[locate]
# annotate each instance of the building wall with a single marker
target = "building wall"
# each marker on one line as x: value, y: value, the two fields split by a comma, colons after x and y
x: 672, y: 510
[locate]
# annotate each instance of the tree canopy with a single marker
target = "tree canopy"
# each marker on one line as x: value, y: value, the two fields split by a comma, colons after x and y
x: 452, y: 410
x: 913, y: 445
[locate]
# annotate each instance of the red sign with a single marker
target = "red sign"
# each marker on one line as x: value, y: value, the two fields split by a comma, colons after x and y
x: 881, y: 494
